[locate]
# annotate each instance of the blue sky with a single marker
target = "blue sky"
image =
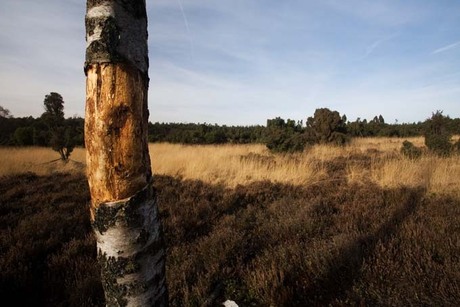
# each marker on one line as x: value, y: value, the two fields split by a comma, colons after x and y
x: 240, y: 62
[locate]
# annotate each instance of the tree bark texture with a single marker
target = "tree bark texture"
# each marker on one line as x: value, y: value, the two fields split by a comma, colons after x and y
x: 123, y: 205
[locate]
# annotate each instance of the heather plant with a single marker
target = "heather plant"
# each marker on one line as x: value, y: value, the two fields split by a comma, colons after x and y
x: 330, y: 242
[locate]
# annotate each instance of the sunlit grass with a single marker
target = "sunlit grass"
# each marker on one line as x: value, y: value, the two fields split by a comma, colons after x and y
x: 231, y: 165
x: 39, y: 160
x: 435, y: 174
x: 242, y: 164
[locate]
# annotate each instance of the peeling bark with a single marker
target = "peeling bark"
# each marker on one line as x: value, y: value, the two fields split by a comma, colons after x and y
x: 123, y: 207
x: 116, y: 32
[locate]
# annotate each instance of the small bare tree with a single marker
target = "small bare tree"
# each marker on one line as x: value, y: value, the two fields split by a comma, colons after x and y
x: 123, y: 207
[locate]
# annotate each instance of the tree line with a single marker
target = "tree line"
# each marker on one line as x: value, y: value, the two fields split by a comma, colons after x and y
x: 30, y: 131
x: 329, y: 127
x: 325, y: 126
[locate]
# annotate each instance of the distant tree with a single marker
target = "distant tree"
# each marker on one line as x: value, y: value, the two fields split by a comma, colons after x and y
x: 5, y: 113
x: 62, y: 142
x: 326, y: 127
x: 356, y: 128
x: 42, y: 133
x: 455, y: 125
x: 54, y: 110
x: 216, y: 136
x: 54, y: 106
x: 437, y: 134
x: 61, y: 136
x: 24, y: 136
x: 76, y: 126
x: 6, y: 126
x: 284, y: 136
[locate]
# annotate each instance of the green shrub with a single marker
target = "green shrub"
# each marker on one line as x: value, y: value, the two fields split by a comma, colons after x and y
x: 285, y: 142
x: 438, y: 135
x: 409, y: 150
x: 284, y: 136
x: 326, y: 127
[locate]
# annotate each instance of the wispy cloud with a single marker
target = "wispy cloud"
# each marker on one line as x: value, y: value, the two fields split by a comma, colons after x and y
x: 383, y: 12
x: 446, y: 48
x: 251, y: 60
x: 370, y: 49
x: 184, y: 16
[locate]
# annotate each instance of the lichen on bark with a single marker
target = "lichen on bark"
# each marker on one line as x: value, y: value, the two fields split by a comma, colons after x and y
x: 116, y: 32
x: 135, y: 264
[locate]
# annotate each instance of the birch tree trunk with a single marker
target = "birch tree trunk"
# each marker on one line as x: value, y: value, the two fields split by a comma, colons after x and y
x: 123, y: 207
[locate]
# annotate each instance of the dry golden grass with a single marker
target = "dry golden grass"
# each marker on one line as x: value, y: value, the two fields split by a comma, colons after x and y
x: 39, y: 160
x: 242, y: 164
x: 231, y: 165
x: 436, y: 174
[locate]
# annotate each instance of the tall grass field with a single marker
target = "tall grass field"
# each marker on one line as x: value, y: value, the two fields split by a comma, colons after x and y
x: 376, y: 160
x: 331, y: 226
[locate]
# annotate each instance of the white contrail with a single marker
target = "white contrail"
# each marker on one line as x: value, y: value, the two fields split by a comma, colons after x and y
x: 445, y: 48
x: 370, y: 49
x: 186, y: 26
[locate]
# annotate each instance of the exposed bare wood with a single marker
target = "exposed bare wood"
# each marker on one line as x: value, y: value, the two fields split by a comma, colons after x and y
x: 116, y: 132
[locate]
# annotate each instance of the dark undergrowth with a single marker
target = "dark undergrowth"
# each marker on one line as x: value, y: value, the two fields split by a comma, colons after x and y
x: 264, y: 244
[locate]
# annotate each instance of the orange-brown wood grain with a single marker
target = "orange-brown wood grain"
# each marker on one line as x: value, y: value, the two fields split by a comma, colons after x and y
x: 118, y: 164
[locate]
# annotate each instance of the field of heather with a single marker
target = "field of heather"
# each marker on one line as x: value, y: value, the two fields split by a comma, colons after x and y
x: 355, y: 225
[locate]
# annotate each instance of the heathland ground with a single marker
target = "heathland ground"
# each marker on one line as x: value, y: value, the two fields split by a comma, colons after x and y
x: 354, y: 225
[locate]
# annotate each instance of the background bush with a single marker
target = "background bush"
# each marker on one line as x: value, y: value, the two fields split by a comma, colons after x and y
x: 284, y: 136
x: 410, y: 150
x: 326, y: 127
x: 438, y: 134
